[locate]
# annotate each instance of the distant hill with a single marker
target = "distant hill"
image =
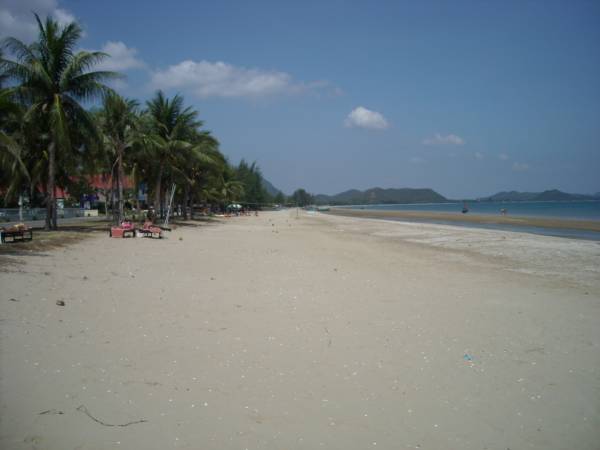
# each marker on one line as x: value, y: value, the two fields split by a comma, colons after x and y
x: 272, y: 190
x: 376, y: 196
x: 553, y: 195
x: 511, y: 196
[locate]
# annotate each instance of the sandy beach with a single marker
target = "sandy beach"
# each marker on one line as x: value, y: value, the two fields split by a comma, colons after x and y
x: 304, y: 331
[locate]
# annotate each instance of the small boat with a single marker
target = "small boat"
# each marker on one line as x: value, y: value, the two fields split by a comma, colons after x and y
x: 465, y: 208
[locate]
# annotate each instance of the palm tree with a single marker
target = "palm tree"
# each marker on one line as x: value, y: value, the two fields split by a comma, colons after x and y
x: 14, y: 171
x: 52, y: 81
x: 118, y: 122
x: 173, y: 127
x: 251, y: 177
x: 201, y: 158
x: 230, y: 191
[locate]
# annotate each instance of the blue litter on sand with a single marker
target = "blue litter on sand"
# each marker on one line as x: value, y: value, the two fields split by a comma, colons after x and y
x: 467, y: 357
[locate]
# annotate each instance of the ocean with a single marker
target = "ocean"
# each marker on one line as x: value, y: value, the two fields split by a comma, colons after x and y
x: 581, y: 210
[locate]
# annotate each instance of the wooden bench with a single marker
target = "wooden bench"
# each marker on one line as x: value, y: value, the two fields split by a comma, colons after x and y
x: 8, y: 236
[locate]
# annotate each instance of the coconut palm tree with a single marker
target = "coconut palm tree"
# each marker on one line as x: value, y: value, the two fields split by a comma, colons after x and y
x: 14, y: 172
x: 118, y: 123
x: 230, y: 191
x: 173, y: 127
x: 52, y: 79
x: 201, y: 158
x: 14, y: 157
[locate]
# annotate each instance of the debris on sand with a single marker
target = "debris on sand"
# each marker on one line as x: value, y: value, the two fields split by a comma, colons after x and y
x: 84, y: 410
x: 50, y: 411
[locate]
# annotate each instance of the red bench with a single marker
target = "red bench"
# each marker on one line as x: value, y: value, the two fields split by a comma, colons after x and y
x: 126, y: 229
x: 150, y: 230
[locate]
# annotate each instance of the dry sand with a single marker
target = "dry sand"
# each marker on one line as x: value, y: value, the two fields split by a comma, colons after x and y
x: 314, y: 332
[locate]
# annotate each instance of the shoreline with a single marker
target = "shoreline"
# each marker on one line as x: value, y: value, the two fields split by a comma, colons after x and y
x: 472, y: 219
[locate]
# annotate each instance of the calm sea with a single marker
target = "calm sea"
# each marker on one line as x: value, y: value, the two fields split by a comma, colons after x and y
x: 588, y: 210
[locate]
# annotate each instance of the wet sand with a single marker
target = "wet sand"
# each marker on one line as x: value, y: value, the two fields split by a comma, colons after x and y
x: 583, y: 225
x: 277, y: 332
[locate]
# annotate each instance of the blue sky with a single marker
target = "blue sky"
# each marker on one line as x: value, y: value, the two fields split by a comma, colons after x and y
x: 467, y: 98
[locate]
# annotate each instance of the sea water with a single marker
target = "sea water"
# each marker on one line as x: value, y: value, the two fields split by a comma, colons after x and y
x: 580, y: 210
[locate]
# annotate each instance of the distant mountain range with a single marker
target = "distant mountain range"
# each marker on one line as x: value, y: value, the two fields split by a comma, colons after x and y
x: 375, y: 196
x: 378, y: 196
x: 553, y: 195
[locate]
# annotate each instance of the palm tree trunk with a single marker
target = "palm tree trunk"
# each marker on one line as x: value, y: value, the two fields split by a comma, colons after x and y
x: 54, y: 211
x: 112, y: 195
x: 120, y: 182
x: 136, y: 188
x: 21, y: 207
x: 105, y: 193
x: 186, y: 199
x: 158, y: 191
x: 163, y: 197
x: 50, y: 201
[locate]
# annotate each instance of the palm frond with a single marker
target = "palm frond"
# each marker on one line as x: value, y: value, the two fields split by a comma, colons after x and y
x: 14, y: 150
x: 19, y: 49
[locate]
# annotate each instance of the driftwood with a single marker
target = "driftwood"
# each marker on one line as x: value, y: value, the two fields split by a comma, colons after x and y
x: 50, y: 411
x: 84, y: 410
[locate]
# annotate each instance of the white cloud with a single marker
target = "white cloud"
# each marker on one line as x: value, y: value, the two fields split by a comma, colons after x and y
x: 119, y: 85
x: 362, y: 117
x: 478, y: 155
x: 220, y: 79
x: 438, y: 139
x: 520, y: 167
x: 121, y: 57
x: 503, y: 156
x: 17, y: 19
x: 63, y: 17
x: 417, y: 160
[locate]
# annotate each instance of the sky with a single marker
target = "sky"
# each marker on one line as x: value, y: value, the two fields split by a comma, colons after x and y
x: 465, y: 97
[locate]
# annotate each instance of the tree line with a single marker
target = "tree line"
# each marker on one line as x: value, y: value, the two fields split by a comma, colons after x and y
x: 50, y: 140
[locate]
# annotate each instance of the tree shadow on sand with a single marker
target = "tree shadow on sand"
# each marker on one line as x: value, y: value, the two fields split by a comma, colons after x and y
x: 197, y: 222
x: 44, y: 241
